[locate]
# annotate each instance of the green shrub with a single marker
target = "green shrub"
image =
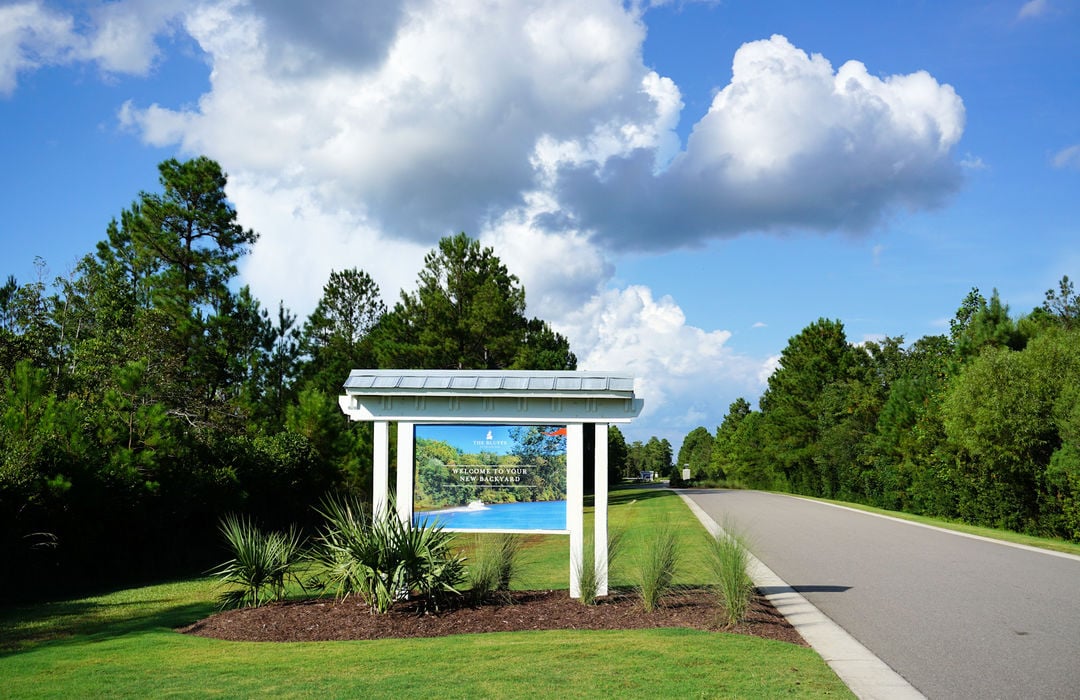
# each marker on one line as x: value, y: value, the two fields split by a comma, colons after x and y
x: 658, y: 567
x: 260, y: 564
x: 384, y: 559
x: 719, y: 483
x: 729, y: 559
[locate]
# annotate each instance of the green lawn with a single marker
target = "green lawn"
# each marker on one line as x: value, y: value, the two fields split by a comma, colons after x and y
x: 122, y: 644
x: 638, y: 512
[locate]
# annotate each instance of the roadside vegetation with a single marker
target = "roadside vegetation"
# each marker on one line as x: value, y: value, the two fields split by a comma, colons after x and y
x: 383, y: 560
x: 135, y: 654
x: 144, y: 398
x: 145, y: 394
x: 123, y: 644
x: 979, y: 426
x: 588, y: 571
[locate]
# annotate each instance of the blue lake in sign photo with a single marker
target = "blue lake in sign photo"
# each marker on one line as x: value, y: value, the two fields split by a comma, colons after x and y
x: 538, y: 515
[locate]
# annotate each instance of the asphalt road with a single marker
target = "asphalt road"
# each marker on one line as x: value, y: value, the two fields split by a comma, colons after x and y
x: 957, y: 617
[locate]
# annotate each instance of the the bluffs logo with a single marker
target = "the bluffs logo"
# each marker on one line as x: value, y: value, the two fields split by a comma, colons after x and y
x: 490, y: 441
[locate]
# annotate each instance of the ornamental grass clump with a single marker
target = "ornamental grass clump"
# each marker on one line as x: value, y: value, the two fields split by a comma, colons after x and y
x: 496, y: 562
x: 658, y: 567
x: 588, y: 575
x: 729, y: 559
x: 384, y: 559
x: 261, y: 563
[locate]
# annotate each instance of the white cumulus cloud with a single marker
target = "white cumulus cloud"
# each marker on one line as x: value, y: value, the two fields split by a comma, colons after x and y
x: 32, y: 36
x: 681, y: 369
x: 357, y: 134
x: 434, y: 133
x: 123, y: 37
x: 788, y: 144
x: 561, y: 271
x: 301, y: 241
x: 119, y: 37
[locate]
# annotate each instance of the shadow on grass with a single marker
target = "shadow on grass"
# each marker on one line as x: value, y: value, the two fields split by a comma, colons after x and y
x: 699, y: 490
x: 31, y: 627
x: 624, y: 494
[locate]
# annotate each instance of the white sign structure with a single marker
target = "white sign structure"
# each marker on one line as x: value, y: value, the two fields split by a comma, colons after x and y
x: 497, y: 397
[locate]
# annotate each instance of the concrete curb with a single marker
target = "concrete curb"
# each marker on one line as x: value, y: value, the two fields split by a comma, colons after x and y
x: 864, y: 673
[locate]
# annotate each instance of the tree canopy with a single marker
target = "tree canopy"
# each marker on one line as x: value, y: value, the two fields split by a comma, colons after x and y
x: 467, y: 312
x: 146, y: 393
x: 695, y: 452
x: 980, y: 425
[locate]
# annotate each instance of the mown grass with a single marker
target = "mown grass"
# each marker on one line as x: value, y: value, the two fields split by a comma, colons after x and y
x: 131, y: 611
x: 122, y: 644
x: 640, y: 513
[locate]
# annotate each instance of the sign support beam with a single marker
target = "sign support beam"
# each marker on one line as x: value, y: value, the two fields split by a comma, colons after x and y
x: 600, y: 508
x: 380, y: 477
x: 575, y: 502
x: 405, y: 476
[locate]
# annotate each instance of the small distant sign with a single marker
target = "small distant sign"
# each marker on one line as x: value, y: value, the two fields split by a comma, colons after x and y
x: 686, y: 474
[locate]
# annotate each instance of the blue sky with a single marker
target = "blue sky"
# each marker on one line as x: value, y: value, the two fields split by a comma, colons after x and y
x: 470, y: 439
x: 680, y: 186
x: 473, y: 439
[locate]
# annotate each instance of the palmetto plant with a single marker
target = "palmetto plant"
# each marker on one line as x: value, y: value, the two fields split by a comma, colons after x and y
x: 261, y: 562
x: 384, y: 559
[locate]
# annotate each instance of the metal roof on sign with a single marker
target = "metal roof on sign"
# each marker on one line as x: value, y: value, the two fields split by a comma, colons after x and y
x: 488, y: 382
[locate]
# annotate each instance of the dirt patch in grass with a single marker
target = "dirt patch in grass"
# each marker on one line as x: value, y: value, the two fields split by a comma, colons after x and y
x: 327, y: 619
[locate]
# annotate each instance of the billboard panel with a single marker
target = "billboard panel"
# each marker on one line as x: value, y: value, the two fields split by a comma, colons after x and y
x: 491, y: 477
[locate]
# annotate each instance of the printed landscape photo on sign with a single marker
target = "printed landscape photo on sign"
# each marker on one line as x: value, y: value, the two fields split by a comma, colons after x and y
x: 491, y: 477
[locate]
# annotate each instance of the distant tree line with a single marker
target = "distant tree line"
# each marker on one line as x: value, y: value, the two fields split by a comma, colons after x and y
x: 981, y: 425
x: 143, y: 394
x: 628, y: 461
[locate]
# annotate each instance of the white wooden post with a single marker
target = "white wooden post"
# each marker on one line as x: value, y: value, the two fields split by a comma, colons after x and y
x: 380, y: 478
x: 575, y: 501
x: 405, y: 471
x: 600, y: 509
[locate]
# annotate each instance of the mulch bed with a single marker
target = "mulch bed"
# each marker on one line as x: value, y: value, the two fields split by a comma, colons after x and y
x: 327, y: 619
